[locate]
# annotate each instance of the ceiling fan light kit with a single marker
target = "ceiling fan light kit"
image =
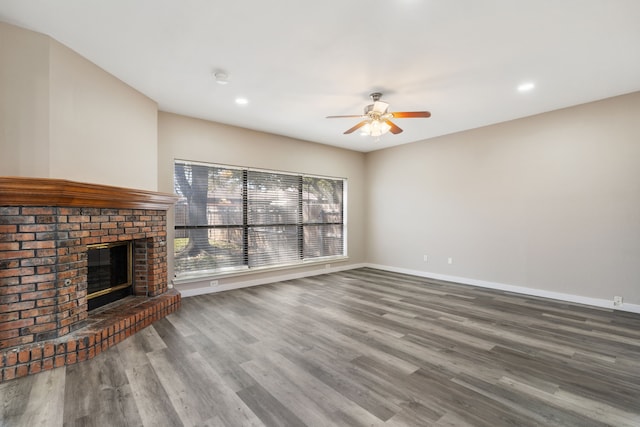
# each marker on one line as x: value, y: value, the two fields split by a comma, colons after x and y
x: 375, y: 128
x: 376, y: 118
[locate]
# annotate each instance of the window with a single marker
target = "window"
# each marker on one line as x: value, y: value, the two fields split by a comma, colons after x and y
x: 231, y: 218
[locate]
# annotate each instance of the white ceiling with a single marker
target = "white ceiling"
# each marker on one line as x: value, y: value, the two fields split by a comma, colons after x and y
x: 298, y: 61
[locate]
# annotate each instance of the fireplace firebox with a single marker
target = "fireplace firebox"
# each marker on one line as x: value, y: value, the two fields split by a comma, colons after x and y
x: 109, y: 273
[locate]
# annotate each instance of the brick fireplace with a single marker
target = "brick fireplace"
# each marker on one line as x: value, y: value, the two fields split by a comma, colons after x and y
x: 46, y: 227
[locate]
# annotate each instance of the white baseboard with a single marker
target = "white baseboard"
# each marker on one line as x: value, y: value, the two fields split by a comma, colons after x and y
x: 577, y: 299
x: 596, y: 302
x: 263, y: 281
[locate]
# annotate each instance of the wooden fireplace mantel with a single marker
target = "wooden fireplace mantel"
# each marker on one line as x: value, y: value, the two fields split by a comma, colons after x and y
x: 20, y: 191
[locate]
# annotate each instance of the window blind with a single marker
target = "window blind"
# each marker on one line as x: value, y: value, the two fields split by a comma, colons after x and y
x: 274, y: 206
x: 231, y: 218
x: 322, y: 217
x: 209, y: 221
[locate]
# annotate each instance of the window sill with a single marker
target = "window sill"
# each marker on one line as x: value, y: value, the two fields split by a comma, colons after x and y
x: 248, y: 271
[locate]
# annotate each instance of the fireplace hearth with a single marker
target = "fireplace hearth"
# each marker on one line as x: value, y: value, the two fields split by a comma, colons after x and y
x: 63, y: 245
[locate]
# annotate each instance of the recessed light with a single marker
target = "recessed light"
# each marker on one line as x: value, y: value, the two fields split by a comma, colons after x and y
x: 526, y: 87
x: 242, y: 101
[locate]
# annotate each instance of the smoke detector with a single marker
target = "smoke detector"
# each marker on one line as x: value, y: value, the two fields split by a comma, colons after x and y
x: 221, y: 77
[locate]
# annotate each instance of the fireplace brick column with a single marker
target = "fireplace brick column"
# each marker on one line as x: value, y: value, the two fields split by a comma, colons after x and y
x: 35, y: 263
x: 45, y: 227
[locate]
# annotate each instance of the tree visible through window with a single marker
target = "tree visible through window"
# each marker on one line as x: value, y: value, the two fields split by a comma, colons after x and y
x: 233, y: 218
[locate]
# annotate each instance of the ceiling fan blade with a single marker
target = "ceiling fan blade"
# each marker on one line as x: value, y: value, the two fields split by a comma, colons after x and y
x: 394, y: 129
x: 343, y: 117
x: 356, y: 127
x: 409, y: 114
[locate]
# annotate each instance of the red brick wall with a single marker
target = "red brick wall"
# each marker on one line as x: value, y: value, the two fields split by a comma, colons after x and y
x: 43, y: 264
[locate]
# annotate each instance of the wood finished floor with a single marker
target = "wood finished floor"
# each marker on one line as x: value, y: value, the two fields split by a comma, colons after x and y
x: 357, y: 348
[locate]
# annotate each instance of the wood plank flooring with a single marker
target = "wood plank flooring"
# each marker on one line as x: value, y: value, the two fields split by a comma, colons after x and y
x: 357, y: 348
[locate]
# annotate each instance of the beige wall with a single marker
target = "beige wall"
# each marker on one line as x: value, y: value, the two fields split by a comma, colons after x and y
x: 24, y: 110
x: 102, y: 130
x: 64, y: 117
x: 549, y: 202
x: 185, y: 138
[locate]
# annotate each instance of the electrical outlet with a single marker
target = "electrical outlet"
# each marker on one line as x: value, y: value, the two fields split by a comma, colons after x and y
x: 617, y: 300
x: 450, y: 260
x: 213, y: 283
x: 426, y: 258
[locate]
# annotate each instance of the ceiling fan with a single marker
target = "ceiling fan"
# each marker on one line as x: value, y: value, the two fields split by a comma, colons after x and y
x: 376, y: 118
